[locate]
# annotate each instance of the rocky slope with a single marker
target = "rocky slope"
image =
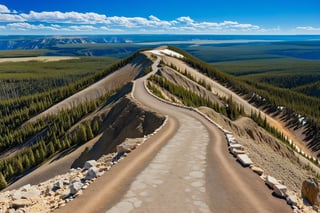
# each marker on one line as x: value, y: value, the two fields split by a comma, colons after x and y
x: 126, y: 119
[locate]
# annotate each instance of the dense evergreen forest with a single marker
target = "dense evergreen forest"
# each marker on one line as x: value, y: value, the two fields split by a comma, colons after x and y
x: 26, y: 78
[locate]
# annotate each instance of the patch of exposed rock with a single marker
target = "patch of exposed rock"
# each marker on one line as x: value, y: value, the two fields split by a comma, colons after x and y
x: 310, y: 191
x: 58, y: 191
x: 126, y: 119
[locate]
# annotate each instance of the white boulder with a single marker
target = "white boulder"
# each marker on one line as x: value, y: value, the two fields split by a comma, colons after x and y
x: 235, y: 152
x: 292, y: 200
x: 75, y: 187
x: 92, y: 173
x: 89, y: 164
x: 236, y: 146
x: 280, y: 190
x: 21, y: 203
x: 271, y: 181
x: 58, y: 184
x: 244, y: 160
x: 257, y: 170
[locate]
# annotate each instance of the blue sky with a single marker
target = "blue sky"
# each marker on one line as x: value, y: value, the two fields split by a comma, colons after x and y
x: 164, y: 17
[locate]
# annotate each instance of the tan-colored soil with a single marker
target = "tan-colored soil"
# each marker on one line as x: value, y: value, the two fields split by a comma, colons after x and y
x: 39, y: 58
x: 111, y: 82
x: 225, y: 92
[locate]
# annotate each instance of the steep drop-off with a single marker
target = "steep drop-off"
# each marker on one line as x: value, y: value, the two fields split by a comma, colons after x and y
x: 126, y: 119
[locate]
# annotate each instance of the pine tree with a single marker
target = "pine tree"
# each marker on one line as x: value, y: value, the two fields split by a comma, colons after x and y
x: 95, y: 127
x: 26, y: 162
x: 18, y: 166
x: 9, y: 171
x: 3, y: 182
x: 51, y: 149
x: 37, y: 156
x: 31, y: 157
x: 89, y: 131
x: 82, y: 135
x: 67, y: 142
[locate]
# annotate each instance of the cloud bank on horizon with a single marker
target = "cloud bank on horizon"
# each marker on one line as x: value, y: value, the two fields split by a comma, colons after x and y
x: 57, y: 22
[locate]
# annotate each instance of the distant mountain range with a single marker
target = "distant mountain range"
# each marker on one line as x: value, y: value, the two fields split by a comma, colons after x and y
x: 37, y: 42
x: 48, y: 42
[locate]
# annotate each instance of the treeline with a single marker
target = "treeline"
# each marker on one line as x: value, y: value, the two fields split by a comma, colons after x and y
x: 265, y: 125
x: 188, y: 75
x: 56, y: 138
x: 32, y: 77
x: 268, y: 96
x: 289, y: 80
x: 189, y: 98
x: 14, y: 112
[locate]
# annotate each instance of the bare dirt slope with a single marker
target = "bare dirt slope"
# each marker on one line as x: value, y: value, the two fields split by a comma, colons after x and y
x: 111, y: 82
x: 39, y: 58
x: 266, y: 152
x: 126, y: 119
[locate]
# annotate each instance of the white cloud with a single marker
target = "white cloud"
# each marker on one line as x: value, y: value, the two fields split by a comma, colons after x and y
x: 186, y: 19
x: 4, y: 9
x: 309, y: 28
x: 4, y: 17
x: 246, y: 26
x: 26, y: 26
x: 154, y: 18
x: 67, y: 17
x: 137, y: 22
x: 82, y: 28
x: 73, y: 22
x: 104, y: 28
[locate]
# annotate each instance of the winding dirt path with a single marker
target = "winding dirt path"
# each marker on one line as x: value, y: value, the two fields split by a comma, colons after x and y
x: 185, y: 167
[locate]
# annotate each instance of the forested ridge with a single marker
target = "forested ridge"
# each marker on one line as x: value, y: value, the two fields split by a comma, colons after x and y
x: 14, y: 112
x: 268, y: 97
x: 190, y: 98
x: 49, y: 135
x: 56, y: 136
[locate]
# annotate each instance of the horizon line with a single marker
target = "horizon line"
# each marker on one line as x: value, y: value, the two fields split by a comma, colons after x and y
x: 178, y: 34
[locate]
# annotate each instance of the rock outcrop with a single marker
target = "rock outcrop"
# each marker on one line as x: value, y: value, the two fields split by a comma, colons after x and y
x: 310, y: 191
